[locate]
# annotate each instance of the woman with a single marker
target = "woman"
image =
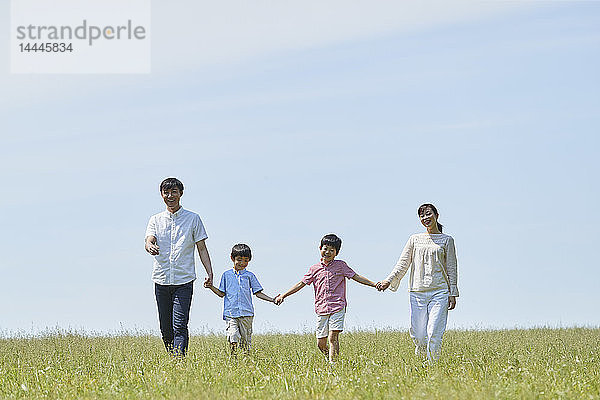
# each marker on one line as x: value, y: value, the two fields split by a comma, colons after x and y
x: 433, y: 276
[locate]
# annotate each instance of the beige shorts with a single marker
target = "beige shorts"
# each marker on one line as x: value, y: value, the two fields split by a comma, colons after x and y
x: 239, y: 330
x: 331, y: 322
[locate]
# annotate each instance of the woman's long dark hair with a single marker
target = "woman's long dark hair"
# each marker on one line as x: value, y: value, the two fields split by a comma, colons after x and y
x: 422, y: 209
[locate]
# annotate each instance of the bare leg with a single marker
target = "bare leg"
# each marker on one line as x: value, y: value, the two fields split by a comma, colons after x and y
x: 322, y: 344
x: 334, y: 345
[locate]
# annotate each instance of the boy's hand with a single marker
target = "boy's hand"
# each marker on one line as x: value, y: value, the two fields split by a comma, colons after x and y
x: 278, y: 299
x: 381, y: 286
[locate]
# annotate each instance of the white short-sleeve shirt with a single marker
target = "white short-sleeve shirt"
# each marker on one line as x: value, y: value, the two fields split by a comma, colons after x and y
x: 176, y: 235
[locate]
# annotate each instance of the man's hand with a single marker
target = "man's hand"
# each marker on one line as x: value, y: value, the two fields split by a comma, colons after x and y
x: 205, y: 258
x: 381, y: 286
x: 208, y: 282
x: 451, y: 302
x: 151, y: 246
x: 278, y: 299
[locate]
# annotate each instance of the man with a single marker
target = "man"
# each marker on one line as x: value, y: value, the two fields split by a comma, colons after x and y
x: 171, y: 237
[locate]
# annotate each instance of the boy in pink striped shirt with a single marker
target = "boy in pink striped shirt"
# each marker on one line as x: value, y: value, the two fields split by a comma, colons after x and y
x: 329, y: 282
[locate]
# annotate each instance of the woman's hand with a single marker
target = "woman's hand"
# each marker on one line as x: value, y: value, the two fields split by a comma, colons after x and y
x: 451, y: 302
x: 381, y: 286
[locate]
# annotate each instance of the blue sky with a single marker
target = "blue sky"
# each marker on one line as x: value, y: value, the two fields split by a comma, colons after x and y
x: 285, y: 132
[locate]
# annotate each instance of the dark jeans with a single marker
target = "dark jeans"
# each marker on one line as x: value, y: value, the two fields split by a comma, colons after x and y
x: 174, y: 302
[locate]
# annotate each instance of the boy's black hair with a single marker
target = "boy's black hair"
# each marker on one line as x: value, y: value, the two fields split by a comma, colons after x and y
x: 171, y: 183
x: 333, y: 241
x: 242, y: 250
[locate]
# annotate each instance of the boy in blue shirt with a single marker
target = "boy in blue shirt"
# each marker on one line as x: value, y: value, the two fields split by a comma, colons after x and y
x: 237, y: 287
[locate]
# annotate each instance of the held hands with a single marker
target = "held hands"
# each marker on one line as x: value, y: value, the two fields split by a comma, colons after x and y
x: 382, y: 285
x: 278, y: 299
x: 208, y: 282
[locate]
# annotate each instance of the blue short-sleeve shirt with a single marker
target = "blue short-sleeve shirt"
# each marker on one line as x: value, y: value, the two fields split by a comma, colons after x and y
x: 238, y: 286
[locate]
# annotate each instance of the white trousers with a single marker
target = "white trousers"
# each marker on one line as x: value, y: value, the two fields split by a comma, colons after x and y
x: 428, y: 316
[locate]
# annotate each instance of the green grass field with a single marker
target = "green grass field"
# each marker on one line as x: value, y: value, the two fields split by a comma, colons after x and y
x: 511, y: 364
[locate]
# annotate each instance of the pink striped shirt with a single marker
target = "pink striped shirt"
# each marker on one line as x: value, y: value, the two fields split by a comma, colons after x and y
x: 329, y: 283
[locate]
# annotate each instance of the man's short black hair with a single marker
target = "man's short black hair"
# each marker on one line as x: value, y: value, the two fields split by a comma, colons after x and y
x: 241, y: 250
x: 333, y: 241
x: 171, y: 183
